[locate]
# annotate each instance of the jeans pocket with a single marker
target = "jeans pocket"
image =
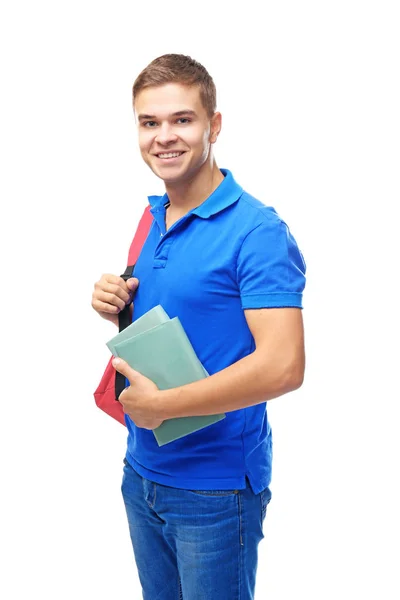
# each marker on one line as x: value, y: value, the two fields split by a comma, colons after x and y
x: 265, y: 499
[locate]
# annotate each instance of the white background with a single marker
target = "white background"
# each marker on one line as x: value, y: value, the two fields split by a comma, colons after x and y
x: 309, y: 93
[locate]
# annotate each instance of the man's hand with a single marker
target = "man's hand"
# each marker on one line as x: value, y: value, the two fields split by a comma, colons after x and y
x: 139, y: 400
x: 111, y: 295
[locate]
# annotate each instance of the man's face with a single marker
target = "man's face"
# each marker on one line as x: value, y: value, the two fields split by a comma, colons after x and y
x: 175, y: 132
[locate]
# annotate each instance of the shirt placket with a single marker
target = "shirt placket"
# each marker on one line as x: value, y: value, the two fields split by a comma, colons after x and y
x: 166, y: 238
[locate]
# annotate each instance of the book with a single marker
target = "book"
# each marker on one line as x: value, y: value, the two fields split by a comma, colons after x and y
x: 150, y: 319
x: 159, y: 348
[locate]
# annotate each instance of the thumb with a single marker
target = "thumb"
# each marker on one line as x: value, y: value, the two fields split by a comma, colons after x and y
x: 122, y: 366
x: 132, y: 283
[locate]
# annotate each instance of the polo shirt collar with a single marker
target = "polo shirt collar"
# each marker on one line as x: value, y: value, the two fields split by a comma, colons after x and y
x: 223, y: 196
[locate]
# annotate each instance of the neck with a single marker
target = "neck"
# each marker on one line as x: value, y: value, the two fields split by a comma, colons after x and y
x: 191, y: 193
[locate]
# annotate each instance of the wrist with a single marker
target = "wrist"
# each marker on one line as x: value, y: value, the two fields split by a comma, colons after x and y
x: 164, y: 404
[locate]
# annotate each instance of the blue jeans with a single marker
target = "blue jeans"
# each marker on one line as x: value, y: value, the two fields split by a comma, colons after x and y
x: 194, y: 545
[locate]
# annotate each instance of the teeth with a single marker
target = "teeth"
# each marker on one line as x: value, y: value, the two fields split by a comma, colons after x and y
x: 170, y: 155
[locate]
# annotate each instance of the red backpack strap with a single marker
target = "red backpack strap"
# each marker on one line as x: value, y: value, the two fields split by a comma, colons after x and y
x: 140, y: 237
x: 138, y: 241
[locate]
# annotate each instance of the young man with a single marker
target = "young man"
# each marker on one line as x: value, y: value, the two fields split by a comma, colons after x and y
x: 229, y: 268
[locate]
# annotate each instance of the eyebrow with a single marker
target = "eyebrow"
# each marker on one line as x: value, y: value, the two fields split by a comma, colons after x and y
x: 179, y: 113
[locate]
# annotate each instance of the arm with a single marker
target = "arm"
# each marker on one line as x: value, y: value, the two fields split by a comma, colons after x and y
x: 276, y: 367
x: 271, y: 273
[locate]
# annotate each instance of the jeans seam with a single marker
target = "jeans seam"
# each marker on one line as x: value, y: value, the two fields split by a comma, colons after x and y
x: 240, y: 547
x: 240, y: 519
x: 180, y: 588
x: 155, y: 495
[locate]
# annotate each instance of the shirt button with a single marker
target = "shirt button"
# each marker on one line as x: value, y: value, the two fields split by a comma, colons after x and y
x: 161, y: 234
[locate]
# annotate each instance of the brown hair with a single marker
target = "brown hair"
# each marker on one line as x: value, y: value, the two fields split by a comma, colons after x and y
x: 178, y: 68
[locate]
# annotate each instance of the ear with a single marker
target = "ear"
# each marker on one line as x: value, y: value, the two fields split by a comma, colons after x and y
x: 215, y: 126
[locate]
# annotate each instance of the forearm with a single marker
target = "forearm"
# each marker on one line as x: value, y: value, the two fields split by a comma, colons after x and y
x: 251, y: 380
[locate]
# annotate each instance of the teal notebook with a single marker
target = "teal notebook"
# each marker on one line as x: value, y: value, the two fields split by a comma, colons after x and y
x: 153, y: 317
x: 159, y: 348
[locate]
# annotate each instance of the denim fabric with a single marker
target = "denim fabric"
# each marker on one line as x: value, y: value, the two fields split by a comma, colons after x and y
x: 194, y: 544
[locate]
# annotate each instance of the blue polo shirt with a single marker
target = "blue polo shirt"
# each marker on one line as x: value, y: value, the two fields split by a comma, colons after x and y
x: 229, y: 254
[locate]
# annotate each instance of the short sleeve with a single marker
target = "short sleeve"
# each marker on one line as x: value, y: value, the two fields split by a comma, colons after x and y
x: 270, y: 268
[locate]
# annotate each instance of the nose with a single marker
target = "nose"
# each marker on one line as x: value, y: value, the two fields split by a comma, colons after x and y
x: 165, y: 135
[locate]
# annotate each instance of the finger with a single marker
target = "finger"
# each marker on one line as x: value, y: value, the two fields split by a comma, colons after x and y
x: 132, y: 283
x: 104, y: 307
x: 145, y: 423
x: 123, y: 293
x: 108, y: 280
x: 115, y: 279
x: 122, y: 367
x: 150, y: 424
x: 121, y: 397
x: 122, y: 284
x: 109, y: 299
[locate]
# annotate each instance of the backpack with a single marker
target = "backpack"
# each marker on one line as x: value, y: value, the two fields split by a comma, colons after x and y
x: 112, y: 383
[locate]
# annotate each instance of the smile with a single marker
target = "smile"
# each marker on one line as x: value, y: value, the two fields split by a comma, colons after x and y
x: 169, y: 155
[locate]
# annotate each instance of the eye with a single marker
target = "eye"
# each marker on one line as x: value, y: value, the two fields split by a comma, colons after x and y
x: 183, y: 120
x: 149, y: 124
